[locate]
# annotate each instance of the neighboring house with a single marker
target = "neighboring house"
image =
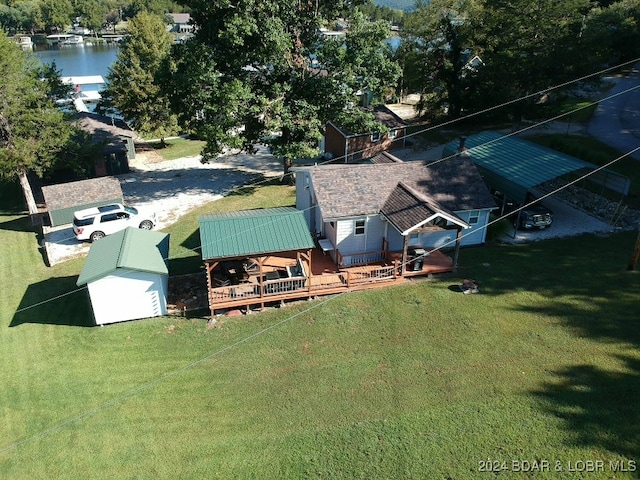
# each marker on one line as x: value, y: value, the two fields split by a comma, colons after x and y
x: 348, y: 147
x: 126, y: 276
x: 181, y: 23
x: 117, y: 140
x: 62, y: 199
x: 399, y: 206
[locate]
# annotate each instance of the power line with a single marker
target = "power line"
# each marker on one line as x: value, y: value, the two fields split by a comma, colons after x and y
x: 244, y: 340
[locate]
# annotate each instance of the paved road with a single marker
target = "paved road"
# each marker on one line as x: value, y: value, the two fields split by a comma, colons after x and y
x: 616, y: 121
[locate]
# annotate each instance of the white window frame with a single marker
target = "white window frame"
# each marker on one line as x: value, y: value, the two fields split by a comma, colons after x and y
x: 360, y: 225
x: 474, y: 217
x: 375, y: 137
x: 392, y: 134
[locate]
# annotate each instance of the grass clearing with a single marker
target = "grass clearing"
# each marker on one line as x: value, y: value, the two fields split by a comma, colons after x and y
x: 412, y: 381
x: 179, y: 148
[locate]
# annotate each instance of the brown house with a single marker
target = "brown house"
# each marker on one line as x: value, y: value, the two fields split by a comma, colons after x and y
x: 116, y: 138
x: 348, y: 147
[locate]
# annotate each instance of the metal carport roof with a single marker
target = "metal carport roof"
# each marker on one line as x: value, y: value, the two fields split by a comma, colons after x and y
x: 514, y: 166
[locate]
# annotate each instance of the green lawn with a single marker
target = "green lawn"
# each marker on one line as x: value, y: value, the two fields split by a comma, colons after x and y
x: 409, y: 382
x: 179, y: 148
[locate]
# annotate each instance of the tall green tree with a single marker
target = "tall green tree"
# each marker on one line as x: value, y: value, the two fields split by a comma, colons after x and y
x: 439, y: 45
x: 260, y: 72
x: 32, y: 128
x: 56, y: 14
x: 612, y: 33
x: 528, y: 47
x: 133, y: 86
x: 93, y: 13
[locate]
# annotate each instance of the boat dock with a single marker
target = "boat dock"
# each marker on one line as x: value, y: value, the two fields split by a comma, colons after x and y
x: 82, y: 96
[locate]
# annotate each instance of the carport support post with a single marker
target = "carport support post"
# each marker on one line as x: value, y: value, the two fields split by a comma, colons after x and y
x: 635, y: 255
x: 515, y: 224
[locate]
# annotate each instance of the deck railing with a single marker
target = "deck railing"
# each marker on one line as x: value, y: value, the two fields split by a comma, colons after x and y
x: 357, y: 259
x: 380, y: 274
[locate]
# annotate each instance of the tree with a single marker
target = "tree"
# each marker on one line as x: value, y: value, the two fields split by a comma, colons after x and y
x: 133, y: 87
x: 439, y: 46
x: 260, y: 72
x: 93, y: 14
x: 32, y: 129
x: 613, y: 33
x: 56, y: 14
x: 528, y: 47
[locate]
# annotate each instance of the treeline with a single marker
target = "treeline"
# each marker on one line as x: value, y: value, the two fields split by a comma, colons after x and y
x: 35, y: 16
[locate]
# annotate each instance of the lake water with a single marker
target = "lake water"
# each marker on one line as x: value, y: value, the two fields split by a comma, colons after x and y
x: 79, y: 60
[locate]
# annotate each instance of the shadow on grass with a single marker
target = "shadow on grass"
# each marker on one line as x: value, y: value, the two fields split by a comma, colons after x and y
x: 598, y: 407
x: 21, y: 224
x: 55, y: 301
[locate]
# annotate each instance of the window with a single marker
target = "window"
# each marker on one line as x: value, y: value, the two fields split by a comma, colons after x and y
x: 360, y: 227
x: 109, y: 217
x: 375, y: 137
x: 392, y: 134
x: 474, y: 217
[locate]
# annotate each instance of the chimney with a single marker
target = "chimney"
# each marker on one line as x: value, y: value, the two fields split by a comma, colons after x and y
x: 462, y: 150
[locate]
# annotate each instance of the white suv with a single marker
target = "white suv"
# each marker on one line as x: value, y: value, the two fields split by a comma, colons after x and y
x: 97, y: 222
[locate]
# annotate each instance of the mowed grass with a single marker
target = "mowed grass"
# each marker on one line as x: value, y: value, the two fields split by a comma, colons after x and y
x: 414, y: 381
x: 179, y: 148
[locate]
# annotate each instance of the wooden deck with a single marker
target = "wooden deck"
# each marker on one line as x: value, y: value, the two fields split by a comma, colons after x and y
x: 273, y: 286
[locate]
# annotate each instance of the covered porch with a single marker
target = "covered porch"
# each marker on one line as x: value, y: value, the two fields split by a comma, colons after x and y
x: 289, y: 276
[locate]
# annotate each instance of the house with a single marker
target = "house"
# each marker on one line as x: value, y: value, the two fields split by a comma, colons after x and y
x: 397, y: 206
x: 344, y: 145
x: 126, y: 276
x: 355, y: 226
x: 117, y: 140
x: 181, y: 23
x: 62, y: 199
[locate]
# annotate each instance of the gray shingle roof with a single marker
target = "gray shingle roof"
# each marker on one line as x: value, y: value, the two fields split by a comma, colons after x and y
x: 355, y: 190
x: 406, y: 208
x: 82, y: 192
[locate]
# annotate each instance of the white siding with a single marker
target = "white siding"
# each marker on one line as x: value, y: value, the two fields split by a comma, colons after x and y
x: 304, y: 197
x: 395, y: 239
x: 371, y: 241
x: 477, y: 234
x: 128, y: 295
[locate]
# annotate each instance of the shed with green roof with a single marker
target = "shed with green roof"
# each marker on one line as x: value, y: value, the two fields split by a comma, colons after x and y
x: 126, y: 276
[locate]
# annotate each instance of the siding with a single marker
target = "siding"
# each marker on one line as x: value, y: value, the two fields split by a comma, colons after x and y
x: 477, y: 234
x: 128, y: 295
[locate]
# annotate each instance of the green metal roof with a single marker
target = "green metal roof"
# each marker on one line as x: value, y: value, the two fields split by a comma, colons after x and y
x: 514, y: 166
x: 131, y: 249
x: 253, y: 232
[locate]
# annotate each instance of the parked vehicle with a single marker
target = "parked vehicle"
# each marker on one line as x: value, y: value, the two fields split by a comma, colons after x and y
x: 532, y: 216
x: 97, y: 222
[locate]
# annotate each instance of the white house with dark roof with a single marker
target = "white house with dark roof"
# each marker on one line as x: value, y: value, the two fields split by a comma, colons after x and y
x: 397, y: 206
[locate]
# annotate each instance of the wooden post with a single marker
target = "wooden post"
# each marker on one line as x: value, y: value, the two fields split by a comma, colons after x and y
x: 633, y: 262
x: 455, y: 257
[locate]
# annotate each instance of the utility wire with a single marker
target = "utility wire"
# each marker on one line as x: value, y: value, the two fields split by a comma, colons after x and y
x: 176, y: 372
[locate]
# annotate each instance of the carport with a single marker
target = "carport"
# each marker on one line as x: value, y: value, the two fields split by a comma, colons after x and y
x: 514, y: 166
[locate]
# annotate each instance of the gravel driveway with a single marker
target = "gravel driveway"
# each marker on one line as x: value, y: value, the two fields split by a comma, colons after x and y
x: 172, y: 188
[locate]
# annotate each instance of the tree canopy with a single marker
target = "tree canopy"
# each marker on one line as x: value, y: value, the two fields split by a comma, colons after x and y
x: 261, y: 71
x: 32, y: 128
x: 133, y: 87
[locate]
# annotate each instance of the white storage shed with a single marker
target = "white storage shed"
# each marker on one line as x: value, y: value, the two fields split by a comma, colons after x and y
x: 126, y: 276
